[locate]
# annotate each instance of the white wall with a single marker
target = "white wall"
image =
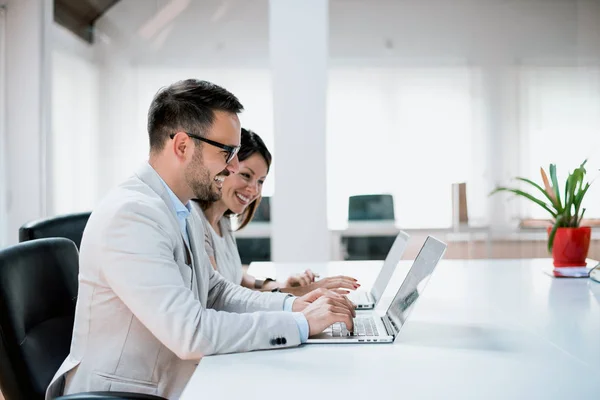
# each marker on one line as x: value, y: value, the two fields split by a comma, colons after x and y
x: 27, y: 112
x: 75, y: 123
x: 489, y: 39
x: 299, y: 59
x: 181, y: 37
x: 50, y: 118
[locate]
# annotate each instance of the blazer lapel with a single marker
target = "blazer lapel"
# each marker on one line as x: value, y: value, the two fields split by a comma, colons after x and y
x: 150, y: 177
x: 195, y: 232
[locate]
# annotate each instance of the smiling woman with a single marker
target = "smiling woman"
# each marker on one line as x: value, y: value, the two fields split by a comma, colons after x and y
x: 240, y: 196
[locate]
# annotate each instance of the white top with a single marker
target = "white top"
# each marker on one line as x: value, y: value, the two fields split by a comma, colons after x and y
x: 483, y: 329
x: 223, y: 249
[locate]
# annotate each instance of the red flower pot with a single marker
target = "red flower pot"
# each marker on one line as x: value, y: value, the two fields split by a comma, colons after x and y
x: 571, y: 245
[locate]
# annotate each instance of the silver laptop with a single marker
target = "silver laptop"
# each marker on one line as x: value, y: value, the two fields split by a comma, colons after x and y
x: 368, y: 300
x: 371, y: 327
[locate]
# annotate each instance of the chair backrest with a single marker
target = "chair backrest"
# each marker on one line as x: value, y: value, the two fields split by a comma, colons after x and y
x: 68, y: 226
x: 263, y: 212
x: 38, y: 292
x: 367, y: 247
x: 109, y: 396
x: 371, y: 207
x: 254, y: 249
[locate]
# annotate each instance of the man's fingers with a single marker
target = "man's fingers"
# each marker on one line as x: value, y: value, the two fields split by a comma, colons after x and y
x: 343, y: 302
x: 314, y: 295
x: 345, y: 318
x: 339, y: 310
x: 351, y: 305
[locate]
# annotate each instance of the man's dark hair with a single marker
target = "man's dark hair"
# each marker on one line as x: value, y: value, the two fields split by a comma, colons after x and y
x: 187, y: 106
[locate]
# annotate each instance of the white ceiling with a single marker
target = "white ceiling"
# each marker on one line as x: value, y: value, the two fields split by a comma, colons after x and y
x: 235, y: 32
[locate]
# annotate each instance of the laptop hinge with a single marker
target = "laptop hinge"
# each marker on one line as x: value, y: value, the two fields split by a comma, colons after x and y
x: 389, y: 326
x: 371, y: 298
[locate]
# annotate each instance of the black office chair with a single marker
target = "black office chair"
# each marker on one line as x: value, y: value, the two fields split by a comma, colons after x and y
x: 68, y: 226
x: 257, y: 249
x: 369, y: 207
x: 263, y: 211
x: 38, y: 292
x: 254, y: 249
x: 108, y: 396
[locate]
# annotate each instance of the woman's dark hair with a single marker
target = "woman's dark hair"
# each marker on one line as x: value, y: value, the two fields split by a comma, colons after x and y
x: 250, y: 144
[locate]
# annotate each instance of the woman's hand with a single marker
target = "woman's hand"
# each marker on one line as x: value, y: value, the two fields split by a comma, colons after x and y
x: 339, y: 284
x: 303, y: 279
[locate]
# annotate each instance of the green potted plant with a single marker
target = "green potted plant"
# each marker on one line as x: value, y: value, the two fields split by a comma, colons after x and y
x: 567, y: 240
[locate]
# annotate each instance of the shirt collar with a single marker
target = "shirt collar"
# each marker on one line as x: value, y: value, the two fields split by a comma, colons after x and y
x: 182, y: 210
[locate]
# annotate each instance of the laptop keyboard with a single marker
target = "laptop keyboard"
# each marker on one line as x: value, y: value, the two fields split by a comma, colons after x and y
x: 362, y: 327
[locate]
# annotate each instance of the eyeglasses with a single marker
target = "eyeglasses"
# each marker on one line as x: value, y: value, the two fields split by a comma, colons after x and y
x: 231, y: 150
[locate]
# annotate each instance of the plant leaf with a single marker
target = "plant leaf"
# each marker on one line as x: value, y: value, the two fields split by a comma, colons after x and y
x: 555, y: 184
x: 581, y: 217
x: 541, y: 190
x: 569, y: 195
x: 548, y: 189
x: 528, y: 196
x: 557, y: 224
x: 579, y: 200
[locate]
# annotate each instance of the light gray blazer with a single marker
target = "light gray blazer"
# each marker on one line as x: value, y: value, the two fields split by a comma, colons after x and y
x: 144, y: 318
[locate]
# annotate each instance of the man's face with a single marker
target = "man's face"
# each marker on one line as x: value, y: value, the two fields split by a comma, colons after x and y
x: 208, y: 168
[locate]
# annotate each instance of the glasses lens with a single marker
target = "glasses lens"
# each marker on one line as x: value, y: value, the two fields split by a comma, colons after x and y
x: 232, y: 154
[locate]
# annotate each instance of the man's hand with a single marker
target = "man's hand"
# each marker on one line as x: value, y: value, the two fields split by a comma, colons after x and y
x: 323, y: 307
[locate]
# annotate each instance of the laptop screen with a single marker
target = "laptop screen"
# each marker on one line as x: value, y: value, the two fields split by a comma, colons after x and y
x: 389, y: 265
x: 415, y: 282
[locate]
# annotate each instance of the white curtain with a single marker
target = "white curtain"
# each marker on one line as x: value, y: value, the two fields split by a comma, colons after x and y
x: 560, y: 124
x: 410, y: 132
x: 75, y: 133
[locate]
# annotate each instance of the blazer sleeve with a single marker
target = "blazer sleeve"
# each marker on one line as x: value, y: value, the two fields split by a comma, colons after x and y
x: 138, y: 264
x: 227, y: 296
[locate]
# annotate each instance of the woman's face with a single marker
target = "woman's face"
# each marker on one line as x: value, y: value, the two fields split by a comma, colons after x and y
x: 241, y: 189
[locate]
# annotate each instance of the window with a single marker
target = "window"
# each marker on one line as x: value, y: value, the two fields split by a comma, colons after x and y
x: 410, y: 132
x: 560, y: 123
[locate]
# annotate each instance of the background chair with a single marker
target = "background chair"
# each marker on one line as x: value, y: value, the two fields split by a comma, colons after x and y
x: 369, y: 207
x: 68, y: 226
x: 257, y: 249
x: 38, y: 292
x: 108, y: 396
x: 263, y: 212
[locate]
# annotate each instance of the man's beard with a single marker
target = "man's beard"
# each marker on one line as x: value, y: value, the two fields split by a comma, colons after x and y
x: 198, y: 178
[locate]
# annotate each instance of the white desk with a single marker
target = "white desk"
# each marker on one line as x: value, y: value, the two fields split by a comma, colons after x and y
x: 484, y: 329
